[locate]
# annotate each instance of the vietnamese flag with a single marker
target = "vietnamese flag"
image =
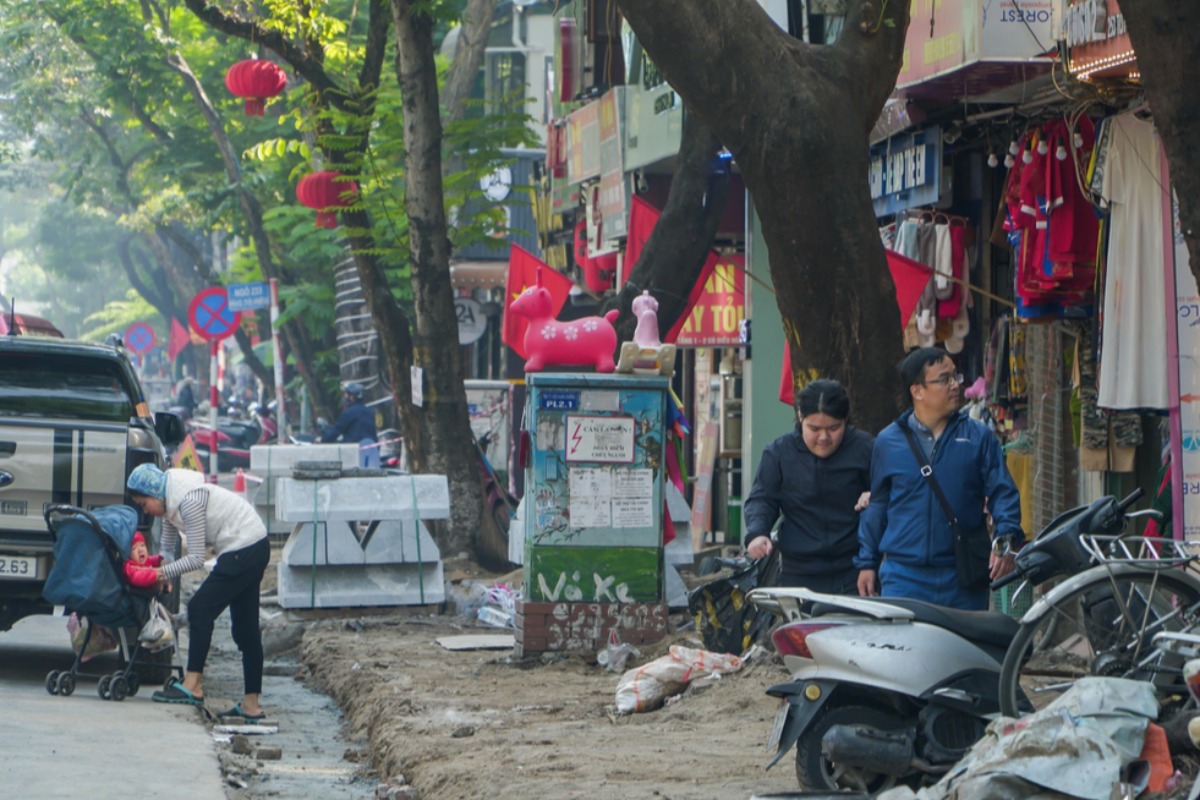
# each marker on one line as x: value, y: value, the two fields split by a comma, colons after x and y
x: 523, y: 271
x: 910, y: 277
x: 179, y: 339
x: 597, y: 271
x: 642, y: 219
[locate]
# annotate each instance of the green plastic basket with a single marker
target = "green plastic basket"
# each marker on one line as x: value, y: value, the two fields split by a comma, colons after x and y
x: 1002, y: 600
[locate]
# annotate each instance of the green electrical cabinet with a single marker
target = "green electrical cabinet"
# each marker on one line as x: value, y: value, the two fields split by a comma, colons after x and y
x: 594, y: 488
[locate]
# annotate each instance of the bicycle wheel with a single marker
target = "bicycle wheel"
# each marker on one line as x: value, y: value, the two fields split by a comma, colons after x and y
x: 1105, y: 627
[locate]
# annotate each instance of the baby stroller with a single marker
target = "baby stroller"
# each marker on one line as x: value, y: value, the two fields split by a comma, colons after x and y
x: 90, y: 549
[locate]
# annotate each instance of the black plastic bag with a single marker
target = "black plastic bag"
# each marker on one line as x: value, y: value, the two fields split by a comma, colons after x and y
x: 725, y: 620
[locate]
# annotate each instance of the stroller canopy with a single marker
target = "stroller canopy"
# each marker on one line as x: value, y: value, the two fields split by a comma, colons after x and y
x: 86, y: 576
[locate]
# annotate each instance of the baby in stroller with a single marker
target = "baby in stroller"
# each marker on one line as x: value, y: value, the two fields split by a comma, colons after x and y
x: 88, y: 578
x: 141, y: 570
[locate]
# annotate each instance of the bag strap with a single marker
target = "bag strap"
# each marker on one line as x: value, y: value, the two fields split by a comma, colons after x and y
x: 927, y: 472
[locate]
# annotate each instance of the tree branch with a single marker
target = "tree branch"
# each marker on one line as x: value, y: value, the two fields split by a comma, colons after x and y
x: 873, y: 42
x: 468, y: 56
x: 677, y: 249
x: 309, y: 66
x: 736, y: 37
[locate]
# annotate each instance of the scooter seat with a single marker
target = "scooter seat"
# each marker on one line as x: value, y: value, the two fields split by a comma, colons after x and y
x: 983, y: 627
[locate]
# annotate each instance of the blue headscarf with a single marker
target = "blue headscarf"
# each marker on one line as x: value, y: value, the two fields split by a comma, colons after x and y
x: 149, y: 480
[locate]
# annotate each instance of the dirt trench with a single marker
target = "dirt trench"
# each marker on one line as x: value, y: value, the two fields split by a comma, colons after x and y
x: 477, y: 723
x: 368, y: 701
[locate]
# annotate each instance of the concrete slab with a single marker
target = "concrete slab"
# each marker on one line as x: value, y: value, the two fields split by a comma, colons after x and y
x: 680, y: 550
x: 350, y: 499
x: 353, y: 586
x: 339, y: 544
x: 273, y: 460
x: 675, y: 589
x: 478, y: 641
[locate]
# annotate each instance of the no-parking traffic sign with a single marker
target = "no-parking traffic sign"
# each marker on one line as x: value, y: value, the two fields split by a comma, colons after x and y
x: 210, y: 315
x: 140, y: 338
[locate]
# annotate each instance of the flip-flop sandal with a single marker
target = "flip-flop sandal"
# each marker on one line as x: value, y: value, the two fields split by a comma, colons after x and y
x: 177, y: 693
x: 237, y: 711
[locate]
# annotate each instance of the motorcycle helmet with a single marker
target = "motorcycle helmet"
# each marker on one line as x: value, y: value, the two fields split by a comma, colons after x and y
x: 355, y: 390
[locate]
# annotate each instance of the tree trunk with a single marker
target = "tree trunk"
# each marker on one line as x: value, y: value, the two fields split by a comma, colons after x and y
x: 357, y: 338
x: 796, y: 118
x: 1166, y: 37
x: 674, y: 255
x: 449, y: 449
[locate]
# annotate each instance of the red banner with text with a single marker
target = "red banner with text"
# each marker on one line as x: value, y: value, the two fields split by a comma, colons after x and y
x: 716, y: 306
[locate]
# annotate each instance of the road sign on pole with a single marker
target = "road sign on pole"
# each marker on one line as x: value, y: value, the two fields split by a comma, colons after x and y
x: 140, y: 338
x: 211, y: 317
x: 248, y: 296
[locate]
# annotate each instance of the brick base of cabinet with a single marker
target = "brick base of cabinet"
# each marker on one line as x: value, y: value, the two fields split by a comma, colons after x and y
x: 562, y: 627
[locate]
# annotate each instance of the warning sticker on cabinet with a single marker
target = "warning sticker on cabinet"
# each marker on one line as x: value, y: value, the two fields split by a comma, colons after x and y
x: 606, y: 440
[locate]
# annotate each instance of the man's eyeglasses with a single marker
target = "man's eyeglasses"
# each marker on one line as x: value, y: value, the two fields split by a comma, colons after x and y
x: 945, y: 379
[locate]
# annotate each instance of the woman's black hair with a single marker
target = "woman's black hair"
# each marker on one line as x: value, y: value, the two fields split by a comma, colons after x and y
x: 823, y: 396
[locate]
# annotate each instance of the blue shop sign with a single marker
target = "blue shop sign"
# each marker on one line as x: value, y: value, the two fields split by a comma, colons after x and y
x: 559, y: 400
x: 906, y: 171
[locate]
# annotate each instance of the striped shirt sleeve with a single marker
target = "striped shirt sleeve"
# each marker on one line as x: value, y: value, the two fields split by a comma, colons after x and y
x: 168, y: 546
x: 194, y: 510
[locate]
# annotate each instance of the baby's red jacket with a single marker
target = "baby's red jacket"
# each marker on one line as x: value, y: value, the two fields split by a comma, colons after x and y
x: 143, y: 576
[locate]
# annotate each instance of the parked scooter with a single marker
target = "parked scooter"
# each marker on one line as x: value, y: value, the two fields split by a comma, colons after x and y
x: 234, y: 439
x: 268, y: 428
x: 882, y: 690
x: 889, y: 690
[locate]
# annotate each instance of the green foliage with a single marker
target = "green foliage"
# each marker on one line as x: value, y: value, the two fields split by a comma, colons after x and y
x: 118, y: 315
x: 102, y: 144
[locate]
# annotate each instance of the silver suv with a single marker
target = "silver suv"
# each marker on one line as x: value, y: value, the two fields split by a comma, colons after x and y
x: 73, y: 423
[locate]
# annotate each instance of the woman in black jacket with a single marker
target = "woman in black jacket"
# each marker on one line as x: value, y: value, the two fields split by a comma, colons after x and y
x: 818, y: 477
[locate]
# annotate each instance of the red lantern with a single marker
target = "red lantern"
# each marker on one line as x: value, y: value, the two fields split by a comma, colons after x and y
x: 255, y: 80
x: 326, y: 192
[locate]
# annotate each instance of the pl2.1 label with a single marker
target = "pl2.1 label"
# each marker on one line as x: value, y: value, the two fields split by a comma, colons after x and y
x: 559, y: 400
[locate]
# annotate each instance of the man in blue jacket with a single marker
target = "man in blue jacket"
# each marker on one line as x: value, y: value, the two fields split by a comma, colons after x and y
x: 355, y: 424
x: 905, y: 540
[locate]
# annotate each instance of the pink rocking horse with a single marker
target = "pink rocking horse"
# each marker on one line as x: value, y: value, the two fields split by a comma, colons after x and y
x: 589, y: 341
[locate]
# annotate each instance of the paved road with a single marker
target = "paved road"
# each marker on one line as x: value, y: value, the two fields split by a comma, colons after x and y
x: 82, y: 746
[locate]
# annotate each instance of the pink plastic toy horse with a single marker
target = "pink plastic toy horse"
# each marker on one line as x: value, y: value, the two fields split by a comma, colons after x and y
x: 580, y: 342
x: 645, y: 308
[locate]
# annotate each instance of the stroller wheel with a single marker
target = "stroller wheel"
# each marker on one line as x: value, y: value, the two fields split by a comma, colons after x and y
x: 118, y: 689
x: 52, y: 681
x: 66, y: 684
x: 102, y: 687
x: 133, y: 683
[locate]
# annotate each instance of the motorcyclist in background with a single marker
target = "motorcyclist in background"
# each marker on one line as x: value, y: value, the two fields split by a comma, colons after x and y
x: 356, y: 424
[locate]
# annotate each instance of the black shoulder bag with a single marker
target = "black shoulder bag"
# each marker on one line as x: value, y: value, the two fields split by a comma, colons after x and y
x: 971, y: 548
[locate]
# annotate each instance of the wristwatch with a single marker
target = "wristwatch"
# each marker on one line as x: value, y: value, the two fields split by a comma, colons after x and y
x: 1007, y: 545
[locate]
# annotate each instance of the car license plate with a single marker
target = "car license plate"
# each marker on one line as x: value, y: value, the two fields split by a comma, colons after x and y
x: 18, y: 568
x: 14, y: 508
x: 777, y: 729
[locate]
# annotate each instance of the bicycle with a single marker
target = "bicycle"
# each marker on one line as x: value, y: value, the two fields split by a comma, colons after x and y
x: 1113, y: 618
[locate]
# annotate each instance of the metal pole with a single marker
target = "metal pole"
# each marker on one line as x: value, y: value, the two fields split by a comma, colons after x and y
x: 213, y: 401
x: 277, y: 341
